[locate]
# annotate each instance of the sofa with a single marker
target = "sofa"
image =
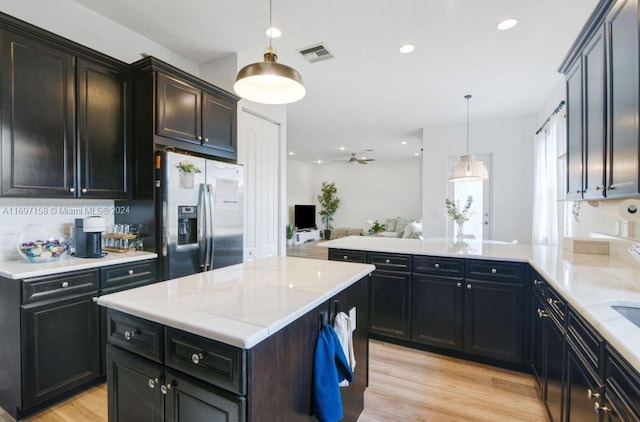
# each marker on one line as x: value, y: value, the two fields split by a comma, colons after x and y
x: 345, y: 231
x: 407, y: 228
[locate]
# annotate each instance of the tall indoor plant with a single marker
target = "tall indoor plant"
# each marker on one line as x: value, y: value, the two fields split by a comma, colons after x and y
x: 329, y: 203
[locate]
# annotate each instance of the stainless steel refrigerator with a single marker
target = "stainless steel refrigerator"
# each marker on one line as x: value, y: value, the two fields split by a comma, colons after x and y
x: 201, y: 214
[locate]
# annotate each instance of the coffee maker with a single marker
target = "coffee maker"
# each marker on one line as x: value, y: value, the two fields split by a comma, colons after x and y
x: 88, y: 237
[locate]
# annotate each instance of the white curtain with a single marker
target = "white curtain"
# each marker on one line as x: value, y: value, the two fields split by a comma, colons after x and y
x: 544, y: 230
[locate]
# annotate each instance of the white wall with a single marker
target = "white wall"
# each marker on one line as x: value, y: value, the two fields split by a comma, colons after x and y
x: 86, y: 27
x: 375, y: 191
x: 510, y: 141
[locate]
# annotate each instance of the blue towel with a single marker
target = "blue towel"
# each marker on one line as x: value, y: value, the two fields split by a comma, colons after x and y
x: 330, y: 367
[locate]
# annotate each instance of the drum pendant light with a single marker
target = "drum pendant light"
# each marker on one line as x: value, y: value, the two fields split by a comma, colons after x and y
x: 468, y: 169
x: 269, y: 82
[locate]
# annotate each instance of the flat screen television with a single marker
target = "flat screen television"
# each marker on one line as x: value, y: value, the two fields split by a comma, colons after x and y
x: 304, y: 216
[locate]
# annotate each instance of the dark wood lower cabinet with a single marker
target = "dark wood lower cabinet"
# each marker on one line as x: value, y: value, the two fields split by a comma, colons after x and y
x: 583, y: 389
x: 554, y: 368
x: 391, y: 304
x: 437, y: 311
x: 494, y: 320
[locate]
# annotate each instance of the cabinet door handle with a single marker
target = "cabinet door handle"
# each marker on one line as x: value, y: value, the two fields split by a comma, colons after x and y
x: 152, y: 383
x: 345, y: 257
x: 542, y: 313
x: 130, y: 272
x: 468, y: 286
x: 206, y: 139
x: 95, y: 299
x: 386, y: 261
x: 436, y: 266
x: 84, y: 190
x: 128, y: 335
x: 197, y: 358
x: 199, y: 138
x: 458, y: 285
x: 591, y: 395
x: 604, y: 409
x: 493, y: 271
x: 537, y: 283
x: 72, y: 190
x: 64, y: 284
x: 553, y: 302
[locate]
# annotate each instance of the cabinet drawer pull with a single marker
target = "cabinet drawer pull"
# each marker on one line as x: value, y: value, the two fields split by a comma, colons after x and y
x: 84, y: 190
x: 604, y: 409
x: 64, y: 284
x: 591, y: 395
x: 130, y: 272
x: 206, y: 139
x: 197, y: 358
x: 553, y: 302
x: 493, y: 271
x: 542, y: 313
x: 386, y: 261
x: 95, y: 299
x: 537, y: 283
x: 345, y: 257
x: 436, y: 266
x: 199, y: 138
x: 128, y: 335
x: 72, y: 190
x: 468, y: 286
x: 152, y: 383
x: 458, y: 285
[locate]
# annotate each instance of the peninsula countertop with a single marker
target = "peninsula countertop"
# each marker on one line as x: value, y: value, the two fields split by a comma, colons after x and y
x: 20, y: 269
x: 590, y: 283
x: 243, y: 304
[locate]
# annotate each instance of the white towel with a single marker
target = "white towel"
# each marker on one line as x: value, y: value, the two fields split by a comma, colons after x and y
x: 342, y: 326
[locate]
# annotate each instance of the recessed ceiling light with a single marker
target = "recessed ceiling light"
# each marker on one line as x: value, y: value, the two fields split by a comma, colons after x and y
x: 416, y: 153
x: 507, y: 24
x: 319, y: 161
x: 407, y: 48
x: 342, y: 148
x: 273, y: 32
x: 403, y: 142
x: 291, y: 153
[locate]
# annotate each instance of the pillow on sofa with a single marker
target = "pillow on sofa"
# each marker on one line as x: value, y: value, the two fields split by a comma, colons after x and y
x: 391, y: 224
x: 412, y: 228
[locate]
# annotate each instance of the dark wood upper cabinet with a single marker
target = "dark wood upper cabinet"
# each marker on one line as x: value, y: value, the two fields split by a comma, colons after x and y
x: 191, y: 113
x: 103, y: 146
x: 179, y: 110
x: 65, y: 117
x: 574, y: 131
x: 624, y: 99
x: 603, y: 104
x: 594, y: 117
x: 38, y: 119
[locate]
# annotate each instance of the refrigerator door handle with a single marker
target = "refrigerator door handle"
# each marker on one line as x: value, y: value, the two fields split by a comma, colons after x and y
x: 211, y: 220
x: 202, y: 227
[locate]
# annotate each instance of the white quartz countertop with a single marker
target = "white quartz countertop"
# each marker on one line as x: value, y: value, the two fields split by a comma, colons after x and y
x: 243, y: 304
x: 19, y: 269
x: 590, y: 283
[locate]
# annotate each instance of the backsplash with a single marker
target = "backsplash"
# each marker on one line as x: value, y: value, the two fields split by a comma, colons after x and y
x: 55, y: 215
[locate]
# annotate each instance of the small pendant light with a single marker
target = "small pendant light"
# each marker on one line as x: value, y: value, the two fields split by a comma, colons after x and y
x: 269, y: 82
x: 468, y: 169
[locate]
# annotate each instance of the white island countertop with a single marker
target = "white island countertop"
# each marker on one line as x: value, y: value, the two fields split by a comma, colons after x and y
x: 243, y: 304
x: 20, y: 269
x: 590, y: 283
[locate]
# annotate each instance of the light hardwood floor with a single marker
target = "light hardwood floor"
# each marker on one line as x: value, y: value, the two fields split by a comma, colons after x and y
x: 404, y: 385
x: 308, y: 250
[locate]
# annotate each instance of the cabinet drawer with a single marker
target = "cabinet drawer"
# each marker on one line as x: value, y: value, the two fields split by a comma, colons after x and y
x: 346, y: 255
x: 495, y: 271
x: 391, y: 262
x: 556, y: 305
x: 209, y: 360
x: 447, y: 267
x: 136, y: 335
x: 135, y: 273
x: 623, y: 387
x: 43, y: 288
x: 588, y: 339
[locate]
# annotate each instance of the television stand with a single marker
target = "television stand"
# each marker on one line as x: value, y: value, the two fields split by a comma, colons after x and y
x: 305, y: 236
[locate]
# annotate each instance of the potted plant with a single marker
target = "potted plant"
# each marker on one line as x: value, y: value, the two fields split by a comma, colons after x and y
x: 329, y: 203
x: 187, y: 170
x: 375, y: 227
x: 289, y: 232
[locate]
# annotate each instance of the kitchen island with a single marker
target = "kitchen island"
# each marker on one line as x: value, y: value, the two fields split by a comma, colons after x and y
x: 232, y: 344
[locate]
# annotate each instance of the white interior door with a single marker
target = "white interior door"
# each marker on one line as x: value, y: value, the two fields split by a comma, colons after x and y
x: 259, y: 151
x: 479, y: 224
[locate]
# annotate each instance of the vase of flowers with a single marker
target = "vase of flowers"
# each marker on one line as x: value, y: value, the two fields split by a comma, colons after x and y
x: 459, y: 216
x: 187, y: 170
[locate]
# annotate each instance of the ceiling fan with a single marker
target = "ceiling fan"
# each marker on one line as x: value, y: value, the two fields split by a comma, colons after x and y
x: 354, y: 159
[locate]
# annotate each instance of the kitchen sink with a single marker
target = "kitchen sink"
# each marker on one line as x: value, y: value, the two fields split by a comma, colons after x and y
x: 630, y: 311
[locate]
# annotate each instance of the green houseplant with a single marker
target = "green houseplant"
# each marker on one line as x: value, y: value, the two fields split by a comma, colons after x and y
x: 329, y: 202
x: 289, y: 233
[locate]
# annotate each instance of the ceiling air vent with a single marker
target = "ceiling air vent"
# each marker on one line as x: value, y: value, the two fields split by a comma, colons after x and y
x: 315, y: 53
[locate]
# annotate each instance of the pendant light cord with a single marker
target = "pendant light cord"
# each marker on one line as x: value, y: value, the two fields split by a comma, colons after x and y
x: 270, y: 25
x: 468, y: 97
